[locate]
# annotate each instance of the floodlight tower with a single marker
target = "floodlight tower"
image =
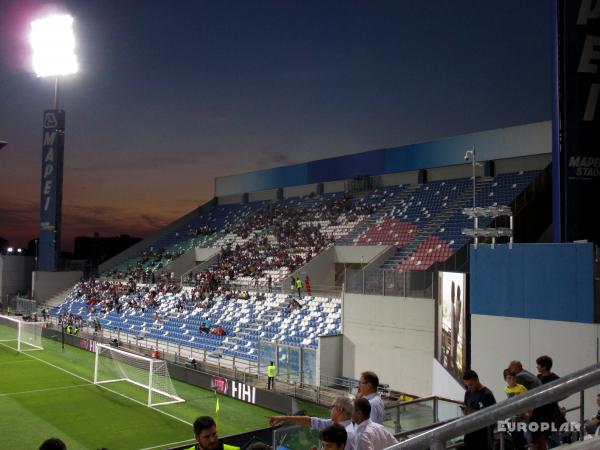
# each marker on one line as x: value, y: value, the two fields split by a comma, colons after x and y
x: 470, y: 154
x: 53, y: 43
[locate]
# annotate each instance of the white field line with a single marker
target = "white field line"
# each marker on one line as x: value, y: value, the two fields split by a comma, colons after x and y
x: 6, y: 363
x: 170, y: 444
x: 59, y: 388
x: 104, y: 387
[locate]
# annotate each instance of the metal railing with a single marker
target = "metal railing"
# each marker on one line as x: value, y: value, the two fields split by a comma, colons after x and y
x: 573, y: 383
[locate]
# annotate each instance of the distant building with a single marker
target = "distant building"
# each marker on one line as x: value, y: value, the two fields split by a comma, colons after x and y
x: 98, y: 249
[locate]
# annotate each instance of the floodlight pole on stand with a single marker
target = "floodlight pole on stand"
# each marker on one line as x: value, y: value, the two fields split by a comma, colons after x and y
x: 471, y: 153
x: 56, y: 93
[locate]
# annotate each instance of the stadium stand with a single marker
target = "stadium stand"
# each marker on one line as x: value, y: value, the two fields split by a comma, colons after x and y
x: 176, y: 315
x: 273, y: 239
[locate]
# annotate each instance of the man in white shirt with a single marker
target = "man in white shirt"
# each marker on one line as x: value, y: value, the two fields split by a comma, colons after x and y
x: 369, y: 435
x: 340, y: 412
x: 367, y: 388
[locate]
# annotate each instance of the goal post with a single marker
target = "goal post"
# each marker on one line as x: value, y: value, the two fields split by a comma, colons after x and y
x: 113, y: 365
x: 27, y: 336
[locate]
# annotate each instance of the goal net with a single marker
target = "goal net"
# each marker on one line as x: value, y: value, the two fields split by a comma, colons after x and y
x: 22, y: 335
x: 114, y: 365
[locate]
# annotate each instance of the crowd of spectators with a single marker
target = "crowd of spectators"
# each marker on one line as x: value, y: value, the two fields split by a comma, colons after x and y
x: 275, y: 236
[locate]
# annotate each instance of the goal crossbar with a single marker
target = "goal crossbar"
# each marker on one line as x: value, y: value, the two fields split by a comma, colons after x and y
x: 113, y: 365
x: 27, y: 335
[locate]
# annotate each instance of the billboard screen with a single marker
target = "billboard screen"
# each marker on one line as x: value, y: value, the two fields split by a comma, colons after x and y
x: 451, y: 328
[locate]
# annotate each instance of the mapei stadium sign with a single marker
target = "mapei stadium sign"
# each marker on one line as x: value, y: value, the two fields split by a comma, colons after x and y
x: 578, y: 62
x: 51, y: 188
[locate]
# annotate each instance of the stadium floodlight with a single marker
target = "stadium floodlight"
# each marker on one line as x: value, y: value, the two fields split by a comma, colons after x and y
x: 53, y: 43
x: 19, y: 250
x: 9, y: 249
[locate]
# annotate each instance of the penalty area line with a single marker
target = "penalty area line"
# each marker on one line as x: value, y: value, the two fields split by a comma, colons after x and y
x: 104, y: 387
x: 34, y: 391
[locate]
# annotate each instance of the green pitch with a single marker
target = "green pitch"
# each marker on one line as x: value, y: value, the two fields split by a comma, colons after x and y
x: 49, y: 393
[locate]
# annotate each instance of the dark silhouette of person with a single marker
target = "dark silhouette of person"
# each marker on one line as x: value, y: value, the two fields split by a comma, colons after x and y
x: 451, y: 357
x: 456, y: 322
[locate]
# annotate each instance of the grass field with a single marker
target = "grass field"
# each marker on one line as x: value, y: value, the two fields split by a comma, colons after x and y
x: 49, y: 393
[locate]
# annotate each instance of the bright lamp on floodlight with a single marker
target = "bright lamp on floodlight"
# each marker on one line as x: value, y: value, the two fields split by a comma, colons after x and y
x: 53, y: 43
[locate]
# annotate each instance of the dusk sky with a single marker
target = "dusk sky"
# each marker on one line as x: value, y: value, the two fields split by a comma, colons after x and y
x: 172, y: 94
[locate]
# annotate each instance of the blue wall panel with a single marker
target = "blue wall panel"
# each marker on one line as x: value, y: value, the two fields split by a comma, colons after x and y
x: 295, y: 175
x: 344, y: 167
x: 531, y: 139
x: 537, y: 281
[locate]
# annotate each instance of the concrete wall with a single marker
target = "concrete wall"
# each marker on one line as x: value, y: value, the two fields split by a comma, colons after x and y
x: 359, y: 253
x: 15, y: 274
x: 444, y: 385
x: 297, y: 191
x: 258, y: 196
x: 452, y: 172
x: 205, y: 253
x: 535, y: 162
x: 190, y: 259
x: 205, y: 264
x: 394, y: 179
x: 230, y: 199
x: 48, y: 284
x: 495, y: 341
x: 392, y: 336
x: 321, y: 269
x: 334, y: 186
x: 329, y: 356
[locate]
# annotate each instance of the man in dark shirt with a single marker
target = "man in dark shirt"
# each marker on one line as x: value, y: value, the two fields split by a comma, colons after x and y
x: 548, y: 414
x: 477, y: 397
x: 592, y: 424
x: 524, y: 377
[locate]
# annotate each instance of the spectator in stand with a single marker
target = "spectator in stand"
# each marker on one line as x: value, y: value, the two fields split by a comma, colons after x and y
x: 592, y: 425
x: 53, y: 444
x: 334, y: 437
x: 367, y: 388
x: 293, y: 304
x: 270, y: 283
x: 205, y: 326
x: 513, y: 388
x: 307, y: 285
x: 369, y: 435
x: 292, y: 283
x: 219, y: 331
x: 477, y: 397
x: 340, y: 412
x: 550, y: 413
x: 524, y: 377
